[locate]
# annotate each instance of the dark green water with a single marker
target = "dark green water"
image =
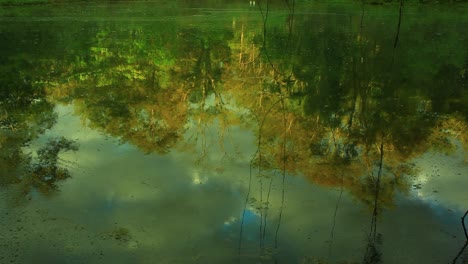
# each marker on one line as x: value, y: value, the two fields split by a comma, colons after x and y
x: 168, y: 132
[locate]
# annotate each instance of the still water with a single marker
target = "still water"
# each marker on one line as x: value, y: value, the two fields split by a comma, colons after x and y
x: 174, y: 132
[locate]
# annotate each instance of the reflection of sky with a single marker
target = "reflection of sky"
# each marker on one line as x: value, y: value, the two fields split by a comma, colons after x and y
x: 180, y: 209
x: 442, y: 180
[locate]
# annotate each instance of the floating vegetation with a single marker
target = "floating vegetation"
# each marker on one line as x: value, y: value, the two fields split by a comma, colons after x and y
x: 119, y: 234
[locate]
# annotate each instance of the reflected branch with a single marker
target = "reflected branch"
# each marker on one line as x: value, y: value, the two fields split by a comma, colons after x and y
x: 286, y: 77
x: 466, y: 237
x: 332, y: 232
x: 397, y: 35
x: 372, y: 254
x: 377, y: 190
x: 283, y: 172
x: 260, y: 166
x: 267, y: 206
x: 399, y: 25
x: 247, y: 196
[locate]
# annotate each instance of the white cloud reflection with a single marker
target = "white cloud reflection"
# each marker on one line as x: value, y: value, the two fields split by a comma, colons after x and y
x: 442, y: 180
x: 178, y: 209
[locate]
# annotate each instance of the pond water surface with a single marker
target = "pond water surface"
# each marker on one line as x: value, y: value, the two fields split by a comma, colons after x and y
x: 173, y: 132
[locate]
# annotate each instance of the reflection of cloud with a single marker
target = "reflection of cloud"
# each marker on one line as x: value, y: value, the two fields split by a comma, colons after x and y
x: 178, y: 212
x: 442, y: 179
x: 198, y: 179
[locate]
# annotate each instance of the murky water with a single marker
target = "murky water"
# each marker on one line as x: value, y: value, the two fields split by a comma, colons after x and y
x: 170, y: 132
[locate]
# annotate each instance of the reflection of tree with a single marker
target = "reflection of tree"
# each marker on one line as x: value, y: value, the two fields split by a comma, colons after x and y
x: 343, y: 101
x: 153, y: 125
x: 344, y: 108
x: 141, y: 89
x: 340, y: 97
x: 125, y: 88
x: 339, y: 108
x: 205, y: 58
x: 26, y: 114
x: 46, y: 172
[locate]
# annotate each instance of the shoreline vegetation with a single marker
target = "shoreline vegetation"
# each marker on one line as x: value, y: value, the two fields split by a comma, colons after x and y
x: 218, y: 2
